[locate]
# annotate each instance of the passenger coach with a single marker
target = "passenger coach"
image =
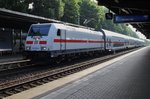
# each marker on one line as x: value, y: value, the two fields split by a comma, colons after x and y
x: 55, y: 39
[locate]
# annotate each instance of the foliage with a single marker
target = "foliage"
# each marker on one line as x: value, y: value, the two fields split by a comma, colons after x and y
x: 147, y: 42
x: 83, y: 12
x: 48, y: 8
x: 17, y: 5
x: 71, y: 11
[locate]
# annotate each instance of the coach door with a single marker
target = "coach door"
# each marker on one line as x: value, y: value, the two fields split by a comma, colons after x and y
x: 63, y: 40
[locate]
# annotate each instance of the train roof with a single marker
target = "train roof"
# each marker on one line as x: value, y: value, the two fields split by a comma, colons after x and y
x: 88, y: 30
x: 71, y: 28
x: 111, y: 33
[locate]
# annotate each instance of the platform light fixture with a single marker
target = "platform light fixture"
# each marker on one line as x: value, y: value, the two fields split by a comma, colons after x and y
x: 109, y: 16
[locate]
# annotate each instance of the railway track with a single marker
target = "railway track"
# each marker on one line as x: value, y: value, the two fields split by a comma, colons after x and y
x: 25, y: 80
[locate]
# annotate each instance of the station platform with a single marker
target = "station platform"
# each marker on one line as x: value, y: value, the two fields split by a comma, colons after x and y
x: 125, y: 77
x: 4, y: 59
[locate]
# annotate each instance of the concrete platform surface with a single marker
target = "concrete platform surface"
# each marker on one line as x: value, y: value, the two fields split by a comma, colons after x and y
x: 125, y: 77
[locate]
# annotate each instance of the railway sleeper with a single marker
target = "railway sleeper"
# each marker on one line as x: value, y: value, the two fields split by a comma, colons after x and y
x: 45, y: 80
x: 18, y: 89
x: 33, y: 84
x: 40, y: 82
x: 9, y: 92
x: 26, y: 86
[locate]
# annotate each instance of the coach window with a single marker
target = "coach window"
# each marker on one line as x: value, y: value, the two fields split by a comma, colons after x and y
x: 58, y: 32
x: 109, y: 42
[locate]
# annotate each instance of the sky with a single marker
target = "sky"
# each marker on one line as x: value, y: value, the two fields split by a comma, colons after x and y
x: 31, y: 5
x: 94, y: 0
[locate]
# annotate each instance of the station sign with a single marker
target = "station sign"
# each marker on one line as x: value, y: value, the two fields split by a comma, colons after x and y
x: 131, y: 18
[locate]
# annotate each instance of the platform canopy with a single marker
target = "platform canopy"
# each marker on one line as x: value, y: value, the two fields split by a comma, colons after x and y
x: 131, y: 7
x: 19, y: 20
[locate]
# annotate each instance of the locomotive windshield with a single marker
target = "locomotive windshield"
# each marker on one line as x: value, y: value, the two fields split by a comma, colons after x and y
x: 39, y: 30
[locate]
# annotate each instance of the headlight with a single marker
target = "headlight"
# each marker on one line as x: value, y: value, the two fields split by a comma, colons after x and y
x: 28, y: 47
x: 43, y: 48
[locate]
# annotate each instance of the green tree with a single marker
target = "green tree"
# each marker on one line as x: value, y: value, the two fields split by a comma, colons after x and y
x: 59, y: 9
x: 90, y: 14
x: 71, y: 11
x: 16, y: 5
x: 84, y: 12
x: 48, y: 8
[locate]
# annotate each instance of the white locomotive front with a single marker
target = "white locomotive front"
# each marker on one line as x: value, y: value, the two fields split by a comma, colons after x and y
x: 54, y: 39
x: 37, y: 38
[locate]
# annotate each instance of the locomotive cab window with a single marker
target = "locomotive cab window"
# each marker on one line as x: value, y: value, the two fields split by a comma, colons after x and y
x: 39, y: 30
x: 58, y: 32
